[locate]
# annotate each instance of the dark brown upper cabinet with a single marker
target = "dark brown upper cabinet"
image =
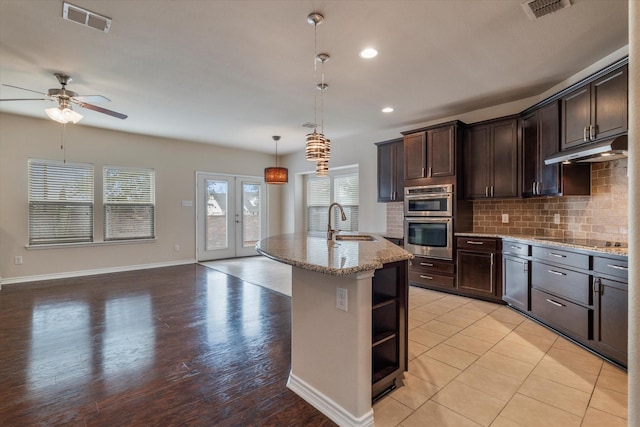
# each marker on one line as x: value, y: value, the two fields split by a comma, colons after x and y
x: 490, y: 157
x: 430, y: 153
x: 390, y: 170
x: 596, y: 110
x: 541, y: 139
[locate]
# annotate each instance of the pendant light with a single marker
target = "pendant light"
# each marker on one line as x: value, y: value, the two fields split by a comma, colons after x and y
x: 316, y: 143
x: 276, y: 175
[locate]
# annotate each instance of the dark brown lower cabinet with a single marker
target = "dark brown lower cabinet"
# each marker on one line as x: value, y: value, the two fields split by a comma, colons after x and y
x: 479, y: 267
x: 583, y: 296
x: 389, y: 321
x: 516, y: 274
x: 612, y: 304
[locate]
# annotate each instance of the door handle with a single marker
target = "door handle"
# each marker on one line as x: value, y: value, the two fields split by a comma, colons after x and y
x: 486, y: 191
x: 584, y: 135
x: 592, y: 132
x: 556, y: 255
x: 557, y: 304
x: 557, y: 273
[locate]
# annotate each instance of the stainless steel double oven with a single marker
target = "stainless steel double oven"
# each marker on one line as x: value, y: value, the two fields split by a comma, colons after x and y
x: 428, y: 220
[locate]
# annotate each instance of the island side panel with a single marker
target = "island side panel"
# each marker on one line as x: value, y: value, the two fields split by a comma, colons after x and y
x: 331, y: 348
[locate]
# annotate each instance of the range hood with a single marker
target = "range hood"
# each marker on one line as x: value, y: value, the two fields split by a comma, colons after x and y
x: 603, y: 151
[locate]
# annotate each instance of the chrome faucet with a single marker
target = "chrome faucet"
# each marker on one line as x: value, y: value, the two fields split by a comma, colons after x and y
x: 331, y: 231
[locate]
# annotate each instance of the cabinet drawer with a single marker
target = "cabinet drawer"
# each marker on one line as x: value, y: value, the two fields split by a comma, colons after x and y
x: 428, y: 279
x: 612, y: 267
x: 563, y: 315
x: 477, y: 243
x: 558, y: 256
x: 427, y: 264
x: 562, y: 282
x: 515, y: 248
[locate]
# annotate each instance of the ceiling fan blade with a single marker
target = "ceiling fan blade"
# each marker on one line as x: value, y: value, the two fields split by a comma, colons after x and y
x: 100, y: 109
x: 91, y: 98
x: 27, y: 99
x: 21, y: 88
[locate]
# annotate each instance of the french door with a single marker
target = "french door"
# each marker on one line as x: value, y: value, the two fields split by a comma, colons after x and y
x: 231, y: 215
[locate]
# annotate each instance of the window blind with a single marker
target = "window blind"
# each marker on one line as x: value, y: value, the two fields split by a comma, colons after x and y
x: 318, y: 201
x: 60, y: 202
x: 129, y: 203
x: 346, y: 192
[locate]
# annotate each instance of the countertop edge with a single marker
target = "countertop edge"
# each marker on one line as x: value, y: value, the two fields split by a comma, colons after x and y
x: 398, y: 254
x: 538, y: 240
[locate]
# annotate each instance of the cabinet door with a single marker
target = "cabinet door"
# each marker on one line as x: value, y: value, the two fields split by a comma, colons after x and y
x: 441, y: 152
x: 477, y: 149
x: 390, y: 172
x: 415, y: 155
x: 505, y: 159
x: 530, y: 154
x: 516, y: 273
x: 385, y: 173
x: 609, y: 104
x: 612, y: 323
x: 576, y: 116
x: 477, y: 273
x: 548, y: 144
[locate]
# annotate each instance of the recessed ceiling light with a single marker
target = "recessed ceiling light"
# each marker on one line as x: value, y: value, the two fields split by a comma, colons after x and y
x: 387, y: 110
x: 369, y: 53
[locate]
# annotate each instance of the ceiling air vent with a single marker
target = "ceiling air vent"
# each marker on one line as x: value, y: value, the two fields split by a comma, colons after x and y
x: 85, y: 17
x: 538, y: 8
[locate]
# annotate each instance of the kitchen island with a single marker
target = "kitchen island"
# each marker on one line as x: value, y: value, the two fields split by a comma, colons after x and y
x: 348, y: 320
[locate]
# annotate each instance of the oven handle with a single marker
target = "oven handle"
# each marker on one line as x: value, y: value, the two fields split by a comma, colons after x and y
x: 420, y: 219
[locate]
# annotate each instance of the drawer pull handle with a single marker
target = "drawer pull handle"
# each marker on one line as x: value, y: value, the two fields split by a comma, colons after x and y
x: 556, y: 255
x: 618, y: 267
x: 515, y: 247
x: 473, y: 242
x: 426, y: 277
x: 557, y: 273
x: 426, y: 264
x: 557, y: 304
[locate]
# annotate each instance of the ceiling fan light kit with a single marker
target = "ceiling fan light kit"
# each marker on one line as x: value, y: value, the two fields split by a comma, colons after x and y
x: 64, y: 113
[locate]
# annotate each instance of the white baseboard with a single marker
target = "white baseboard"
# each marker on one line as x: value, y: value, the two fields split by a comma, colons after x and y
x: 68, y: 274
x: 327, y: 406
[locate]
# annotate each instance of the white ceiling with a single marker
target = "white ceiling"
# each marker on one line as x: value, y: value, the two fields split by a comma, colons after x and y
x: 236, y: 72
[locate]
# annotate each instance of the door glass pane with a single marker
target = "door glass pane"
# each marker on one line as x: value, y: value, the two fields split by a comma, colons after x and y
x: 250, y: 214
x: 217, y: 223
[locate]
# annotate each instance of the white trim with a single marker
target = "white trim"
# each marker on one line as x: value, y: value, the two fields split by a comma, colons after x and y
x: 327, y: 406
x: 68, y: 274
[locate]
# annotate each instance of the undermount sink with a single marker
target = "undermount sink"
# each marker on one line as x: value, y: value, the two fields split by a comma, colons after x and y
x: 356, y: 237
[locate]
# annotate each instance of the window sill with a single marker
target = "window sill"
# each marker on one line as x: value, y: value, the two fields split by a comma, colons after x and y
x: 88, y: 244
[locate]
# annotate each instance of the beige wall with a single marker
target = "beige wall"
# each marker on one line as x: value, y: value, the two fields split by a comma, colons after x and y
x: 175, y: 163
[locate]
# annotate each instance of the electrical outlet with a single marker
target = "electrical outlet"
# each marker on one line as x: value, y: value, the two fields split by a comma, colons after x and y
x: 176, y: 248
x: 505, y: 218
x: 342, y: 297
x: 556, y: 218
x: 17, y: 260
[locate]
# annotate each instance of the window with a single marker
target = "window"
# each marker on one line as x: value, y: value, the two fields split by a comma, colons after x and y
x: 129, y: 203
x: 60, y: 202
x: 321, y: 192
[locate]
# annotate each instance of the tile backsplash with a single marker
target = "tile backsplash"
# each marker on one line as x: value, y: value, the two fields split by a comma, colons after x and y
x: 604, y: 215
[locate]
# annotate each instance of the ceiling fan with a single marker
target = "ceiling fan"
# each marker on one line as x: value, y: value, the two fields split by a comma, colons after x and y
x: 64, y: 112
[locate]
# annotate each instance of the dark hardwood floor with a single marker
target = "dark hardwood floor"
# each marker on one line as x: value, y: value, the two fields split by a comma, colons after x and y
x: 182, y: 345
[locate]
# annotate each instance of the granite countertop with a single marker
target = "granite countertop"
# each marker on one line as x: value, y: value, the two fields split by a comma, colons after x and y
x: 339, y: 258
x: 611, y: 250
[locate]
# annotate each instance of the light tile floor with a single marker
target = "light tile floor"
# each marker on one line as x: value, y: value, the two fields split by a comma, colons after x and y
x: 475, y: 363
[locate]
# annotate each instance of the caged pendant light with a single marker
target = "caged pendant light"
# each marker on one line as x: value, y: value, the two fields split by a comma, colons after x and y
x: 276, y: 175
x: 317, y: 148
